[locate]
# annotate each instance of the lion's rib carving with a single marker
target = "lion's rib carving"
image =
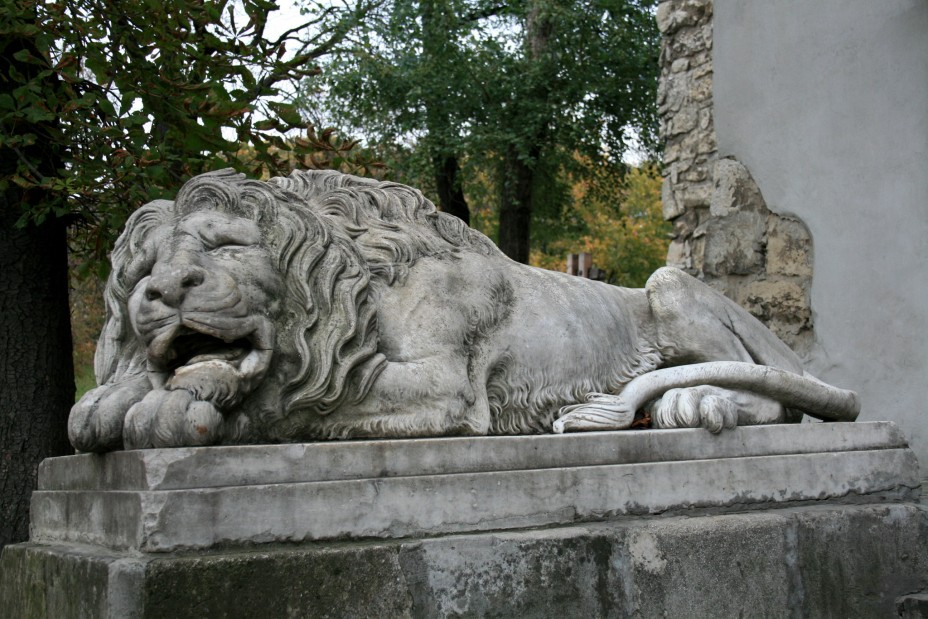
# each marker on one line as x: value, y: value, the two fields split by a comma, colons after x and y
x: 322, y: 305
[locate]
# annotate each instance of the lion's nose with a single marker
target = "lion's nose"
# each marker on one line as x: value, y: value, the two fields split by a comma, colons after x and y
x: 170, y: 283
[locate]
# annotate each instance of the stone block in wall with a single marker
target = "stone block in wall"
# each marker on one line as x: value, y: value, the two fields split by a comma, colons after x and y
x: 670, y: 206
x: 783, y: 305
x: 696, y: 174
x: 702, y: 68
x: 701, y: 87
x: 722, y: 229
x: 684, y: 121
x: 691, y: 40
x: 696, y: 195
x: 735, y: 190
x: 735, y: 244
x: 685, y: 225
x: 789, y: 247
x: 678, y: 254
x: 676, y: 14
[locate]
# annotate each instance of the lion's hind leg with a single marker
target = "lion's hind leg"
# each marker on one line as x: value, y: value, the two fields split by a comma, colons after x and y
x: 705, y: 406
x: 695, y: 400
x: 695, y: 323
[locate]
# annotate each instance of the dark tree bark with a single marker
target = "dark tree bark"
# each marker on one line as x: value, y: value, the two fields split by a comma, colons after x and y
x: 515, y: 213
x: 435, y: 51
x: 450, y: 194
x: 517, y: 178
x: 36, y: 371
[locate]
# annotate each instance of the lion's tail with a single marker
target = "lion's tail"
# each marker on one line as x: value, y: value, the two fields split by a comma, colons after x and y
x: 801, y: 392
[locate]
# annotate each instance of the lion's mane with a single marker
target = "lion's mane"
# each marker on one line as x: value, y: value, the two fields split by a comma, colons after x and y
x: 393, y: 225
x: 327, y: 331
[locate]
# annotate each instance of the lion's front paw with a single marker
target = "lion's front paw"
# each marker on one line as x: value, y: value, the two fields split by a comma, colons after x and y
x: 96, y: 421
x: 172, y: 419
x: 695, y: 407
x: 601, y: 411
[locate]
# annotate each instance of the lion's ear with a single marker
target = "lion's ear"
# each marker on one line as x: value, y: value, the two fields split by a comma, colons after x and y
x: 118, y: 352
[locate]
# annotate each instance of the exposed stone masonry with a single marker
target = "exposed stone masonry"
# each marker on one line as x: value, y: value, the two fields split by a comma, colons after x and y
x: 723, y: 232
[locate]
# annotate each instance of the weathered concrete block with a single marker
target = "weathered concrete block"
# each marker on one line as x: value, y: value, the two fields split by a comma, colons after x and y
x: 169, y: 500
x: 757, y: 521
x: 913, y: 606
x: 813, y: 561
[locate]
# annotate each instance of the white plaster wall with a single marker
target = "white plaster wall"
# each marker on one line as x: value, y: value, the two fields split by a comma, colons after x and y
x: 826, y: 103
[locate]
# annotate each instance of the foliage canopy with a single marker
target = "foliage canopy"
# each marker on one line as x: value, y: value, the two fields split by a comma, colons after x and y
x: 514, y: 91
x: 139, y: 95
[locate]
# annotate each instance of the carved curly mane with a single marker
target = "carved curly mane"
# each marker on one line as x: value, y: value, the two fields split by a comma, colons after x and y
x: 328, y: 336
x: 392, y: 224
x: 119, y: 353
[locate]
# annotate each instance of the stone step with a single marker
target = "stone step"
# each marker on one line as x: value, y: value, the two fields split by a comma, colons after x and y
x: 173, y: 469
x: 167, y: 500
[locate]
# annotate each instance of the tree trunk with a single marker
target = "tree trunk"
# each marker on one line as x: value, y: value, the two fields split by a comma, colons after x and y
x: 515, y: 213
x: 450, y: 193
x: 36, y: 371
x: 519, y: 162
x: 445, y: 166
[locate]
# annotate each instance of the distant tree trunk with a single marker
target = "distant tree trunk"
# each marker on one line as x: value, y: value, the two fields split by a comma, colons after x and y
x: 450, y: 193
x: 36, y: 371
x: 444, y: 161
x: 517, y: 178
x: 515, y: 213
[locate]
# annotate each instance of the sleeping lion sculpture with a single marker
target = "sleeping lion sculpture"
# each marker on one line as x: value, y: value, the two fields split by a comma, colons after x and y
x: 326, y: 306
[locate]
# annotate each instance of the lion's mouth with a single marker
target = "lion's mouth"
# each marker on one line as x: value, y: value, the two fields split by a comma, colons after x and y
x: 188, y: 357
x: 193, y: 347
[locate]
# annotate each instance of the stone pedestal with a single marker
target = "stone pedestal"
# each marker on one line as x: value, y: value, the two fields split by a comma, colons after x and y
x: 811, y: 519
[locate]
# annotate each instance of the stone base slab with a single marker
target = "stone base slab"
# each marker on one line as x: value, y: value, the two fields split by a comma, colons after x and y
x: 811, y: 561
x: 175, y: 499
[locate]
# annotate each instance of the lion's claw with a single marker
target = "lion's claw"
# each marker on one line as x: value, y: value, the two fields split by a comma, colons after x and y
x: 694, y: 407
x: 96, y: 421
x: 172, y: 419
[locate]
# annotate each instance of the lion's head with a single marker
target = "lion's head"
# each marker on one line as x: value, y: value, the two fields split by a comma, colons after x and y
x: 239, y: 295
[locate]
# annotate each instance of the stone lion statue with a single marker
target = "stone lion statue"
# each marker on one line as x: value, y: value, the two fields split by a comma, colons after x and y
x: 326, y: 306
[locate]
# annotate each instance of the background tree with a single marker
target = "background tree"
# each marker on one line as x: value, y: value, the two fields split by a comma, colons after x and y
x: 36, y: 377
x: 625, y: 230
x: 105, y: 105
x: 513, y: 90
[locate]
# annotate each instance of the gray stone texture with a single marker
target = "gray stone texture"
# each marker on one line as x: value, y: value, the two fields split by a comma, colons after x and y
x: 724, y: 233
x: 169, y: 500
x: 812, y: 561
x: 303, y: 308
x: 808, y: 520
x: 826, y: 103
x: 914, y: 606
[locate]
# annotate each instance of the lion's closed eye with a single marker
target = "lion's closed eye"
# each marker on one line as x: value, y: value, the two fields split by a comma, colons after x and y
x: 220, y: 231
x: 226, y: 244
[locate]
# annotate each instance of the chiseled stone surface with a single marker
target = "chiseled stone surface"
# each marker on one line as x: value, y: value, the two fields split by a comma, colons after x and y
x: 328, y: 306
x: 300, y: 499
x: 171, y: 469
x: 912, y: 606
x: 812, y: 561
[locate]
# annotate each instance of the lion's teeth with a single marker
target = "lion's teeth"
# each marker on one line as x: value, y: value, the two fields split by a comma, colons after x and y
x: 221, y: 355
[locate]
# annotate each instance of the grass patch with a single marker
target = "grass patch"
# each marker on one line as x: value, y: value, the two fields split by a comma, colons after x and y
x: 84, y: 380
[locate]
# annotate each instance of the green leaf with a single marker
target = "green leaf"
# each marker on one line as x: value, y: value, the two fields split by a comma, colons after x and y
x: 287, y: 112
x: 267, y: 125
